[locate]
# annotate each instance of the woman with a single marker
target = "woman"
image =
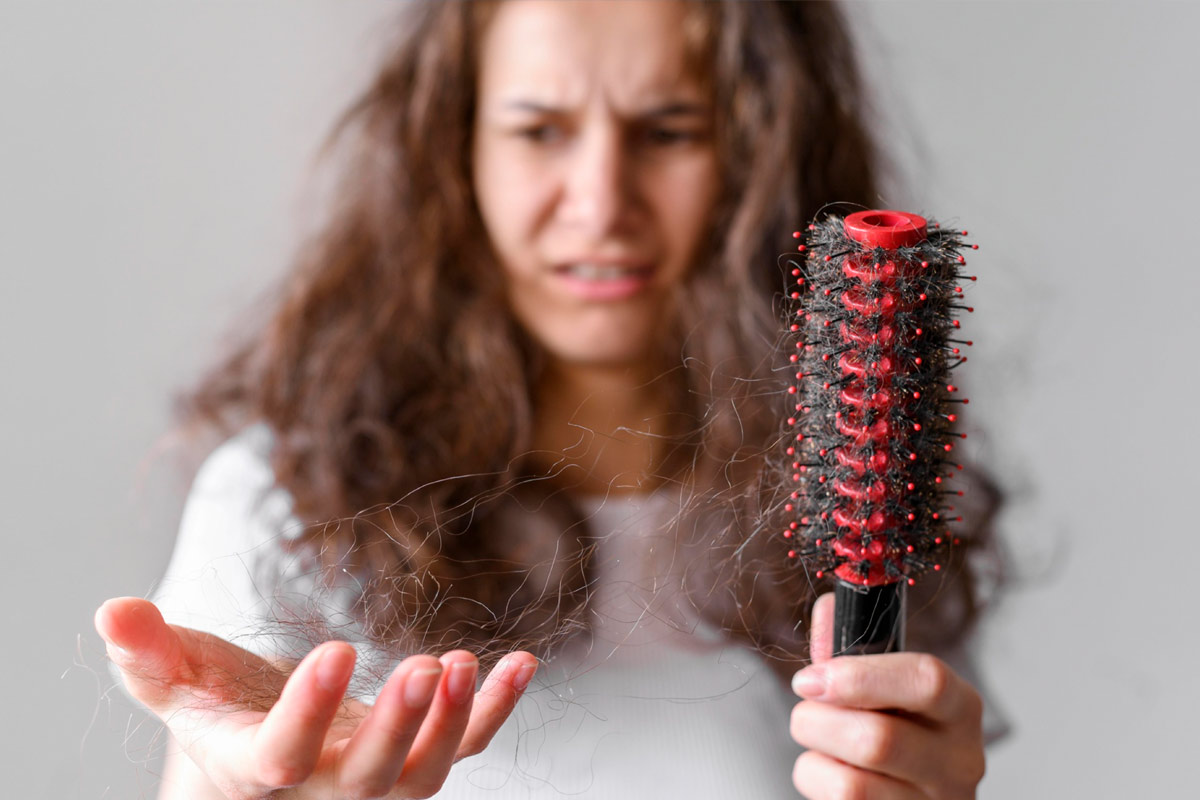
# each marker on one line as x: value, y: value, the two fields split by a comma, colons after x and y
x: 546, y: 294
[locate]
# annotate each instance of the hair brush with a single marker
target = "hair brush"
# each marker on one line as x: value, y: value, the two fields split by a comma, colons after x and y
x: 870, y: 439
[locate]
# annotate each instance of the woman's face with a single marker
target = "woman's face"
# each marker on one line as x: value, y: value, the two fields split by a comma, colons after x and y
x: 594, y: 169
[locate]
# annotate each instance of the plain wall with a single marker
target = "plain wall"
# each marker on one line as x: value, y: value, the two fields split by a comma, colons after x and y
x: 152, y: 180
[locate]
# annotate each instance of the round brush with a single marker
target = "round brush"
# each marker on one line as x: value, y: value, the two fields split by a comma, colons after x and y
x: 873, y: 338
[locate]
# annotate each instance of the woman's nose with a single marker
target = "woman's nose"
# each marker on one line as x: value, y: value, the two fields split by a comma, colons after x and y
x: 598, y: 189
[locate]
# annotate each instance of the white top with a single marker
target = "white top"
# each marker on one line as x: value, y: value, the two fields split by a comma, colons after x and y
x: 654, y: 704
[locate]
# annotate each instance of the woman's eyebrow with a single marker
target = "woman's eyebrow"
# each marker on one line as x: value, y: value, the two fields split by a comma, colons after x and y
x: 671, y: 109
x: 531, y: 106
x: 679, y: 109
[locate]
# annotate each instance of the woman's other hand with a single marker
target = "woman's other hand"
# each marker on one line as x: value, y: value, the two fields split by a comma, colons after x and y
x: 256, y: 731
x: 898, y: 725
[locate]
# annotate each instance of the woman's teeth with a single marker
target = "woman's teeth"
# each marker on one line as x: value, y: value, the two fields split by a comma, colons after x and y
x: 602, y: 272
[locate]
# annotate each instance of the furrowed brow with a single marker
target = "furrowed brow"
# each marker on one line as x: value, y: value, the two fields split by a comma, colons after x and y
x: 676, y: 110
x: 670, y: 110
x: 531, y: 106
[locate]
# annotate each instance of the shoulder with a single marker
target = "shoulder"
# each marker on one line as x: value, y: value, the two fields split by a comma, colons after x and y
x: 236, y: 482
x: 233, y: 516
x: 230, y: 563
x: 241, y: 464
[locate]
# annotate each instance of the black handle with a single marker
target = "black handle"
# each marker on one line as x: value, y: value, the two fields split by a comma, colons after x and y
x: 868, y: 619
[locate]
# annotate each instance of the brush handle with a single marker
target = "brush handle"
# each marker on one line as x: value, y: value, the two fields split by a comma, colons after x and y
x: 868, y: 619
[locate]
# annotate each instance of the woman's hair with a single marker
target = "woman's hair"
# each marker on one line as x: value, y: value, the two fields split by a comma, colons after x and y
x: 399, y: 388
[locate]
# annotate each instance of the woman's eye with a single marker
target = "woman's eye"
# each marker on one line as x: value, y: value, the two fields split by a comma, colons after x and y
x: 540, y: 133
x: 667, y: 136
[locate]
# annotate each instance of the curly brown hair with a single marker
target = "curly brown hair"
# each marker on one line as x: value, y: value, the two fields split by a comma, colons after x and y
x: 399, y: 388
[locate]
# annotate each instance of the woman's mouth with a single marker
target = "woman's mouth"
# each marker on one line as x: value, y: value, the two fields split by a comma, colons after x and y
x: 590, y: 280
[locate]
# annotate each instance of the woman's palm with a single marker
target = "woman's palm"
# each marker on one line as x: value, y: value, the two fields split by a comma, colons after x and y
x: 254, y: 729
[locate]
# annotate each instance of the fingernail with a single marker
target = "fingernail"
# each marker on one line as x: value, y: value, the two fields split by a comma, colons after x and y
x: 333, y: 668
x: 523, y: 676
x: 809, y: 682
x: 420, y: 686
x: 460, y: 685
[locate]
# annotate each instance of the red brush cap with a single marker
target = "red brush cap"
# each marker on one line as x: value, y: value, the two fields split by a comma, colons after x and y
x: 888, y: 229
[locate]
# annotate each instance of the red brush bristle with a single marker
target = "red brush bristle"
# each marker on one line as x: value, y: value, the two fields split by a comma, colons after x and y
x: 870, y: 437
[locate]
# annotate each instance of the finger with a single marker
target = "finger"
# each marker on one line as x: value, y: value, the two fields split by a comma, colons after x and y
x: 158, y: 659
x: 286, y: 746
x: 147, y: 650
x: 872, y: 740
x: 819, y: 777
x: 496, y: 700
x: 916, y: 683
x: 432, y: 754
x: 375, y: 756
x: 820, y: 629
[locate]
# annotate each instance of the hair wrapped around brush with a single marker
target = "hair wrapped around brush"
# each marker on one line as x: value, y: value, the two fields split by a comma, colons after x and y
x: 872, y: 335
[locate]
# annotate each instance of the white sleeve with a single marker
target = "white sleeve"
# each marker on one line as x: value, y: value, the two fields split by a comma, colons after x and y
x: 230, y: 573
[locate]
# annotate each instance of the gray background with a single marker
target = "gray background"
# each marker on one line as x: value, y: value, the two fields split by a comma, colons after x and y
x: 153, y: 182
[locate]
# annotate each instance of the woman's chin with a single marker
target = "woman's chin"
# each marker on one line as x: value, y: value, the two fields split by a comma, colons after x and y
x: 607, y: 358
x: 610, y: 352
x: 622, y: 341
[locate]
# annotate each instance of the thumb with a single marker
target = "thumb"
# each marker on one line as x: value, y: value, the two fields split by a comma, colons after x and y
x: 147, y: 649
x: 820, y: 629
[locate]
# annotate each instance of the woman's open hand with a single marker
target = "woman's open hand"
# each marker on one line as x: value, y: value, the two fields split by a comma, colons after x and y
x: 258, y: 732
x: 893, y: 726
